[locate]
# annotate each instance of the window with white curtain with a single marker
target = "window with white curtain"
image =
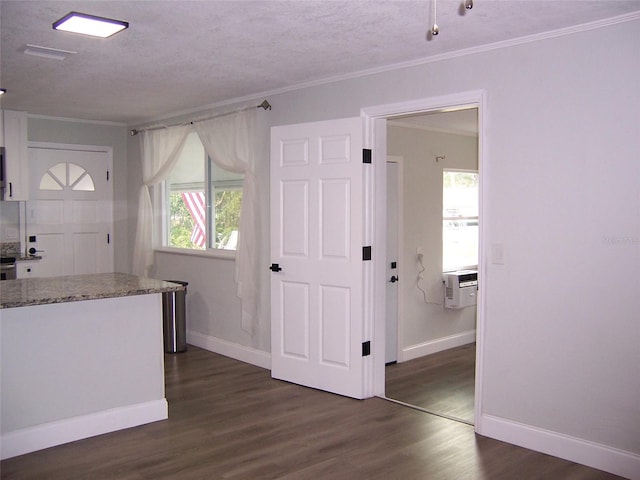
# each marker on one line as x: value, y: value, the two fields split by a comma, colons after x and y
x: 202, y: 202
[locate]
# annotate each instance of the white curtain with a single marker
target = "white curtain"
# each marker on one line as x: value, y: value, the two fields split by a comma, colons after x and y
x: 160, y: 150
x: 230, y: 142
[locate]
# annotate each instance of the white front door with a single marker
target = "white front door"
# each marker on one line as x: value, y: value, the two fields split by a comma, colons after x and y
x: 70, y: 211
x: 317, y: 215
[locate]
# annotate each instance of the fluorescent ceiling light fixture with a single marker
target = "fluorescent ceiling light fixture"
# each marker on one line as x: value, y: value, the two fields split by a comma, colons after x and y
x: 47, y: 52
x: 89, y: 25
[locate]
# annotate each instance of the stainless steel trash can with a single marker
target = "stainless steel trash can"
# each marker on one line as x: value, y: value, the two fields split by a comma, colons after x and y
x: 174, y: 319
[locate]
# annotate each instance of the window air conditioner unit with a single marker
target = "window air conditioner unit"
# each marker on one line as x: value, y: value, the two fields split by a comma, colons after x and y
x: 461, y: 288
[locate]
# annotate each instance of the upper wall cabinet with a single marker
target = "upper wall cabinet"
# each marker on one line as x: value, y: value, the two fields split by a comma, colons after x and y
x: 16, y: 154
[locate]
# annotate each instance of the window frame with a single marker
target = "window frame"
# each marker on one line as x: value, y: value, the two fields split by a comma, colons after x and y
x: 161, y: 196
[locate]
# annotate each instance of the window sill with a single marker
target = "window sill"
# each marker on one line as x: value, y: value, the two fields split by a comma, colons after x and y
x: 457, y: 269
x: 218, y: 254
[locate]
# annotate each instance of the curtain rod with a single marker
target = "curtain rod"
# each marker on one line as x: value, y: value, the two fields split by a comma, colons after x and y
x: 133, y: 132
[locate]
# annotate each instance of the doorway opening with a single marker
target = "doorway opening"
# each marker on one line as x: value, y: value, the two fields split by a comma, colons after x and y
x: 437, y: 232
x: 438, y: 349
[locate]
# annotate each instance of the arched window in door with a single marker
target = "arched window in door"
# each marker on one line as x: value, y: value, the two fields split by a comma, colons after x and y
x: 67, y: 175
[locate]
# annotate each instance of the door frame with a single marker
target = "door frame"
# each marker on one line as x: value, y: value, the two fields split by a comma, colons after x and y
x: 375, y: 131
x: 399, y: 161
x: 108, y: 150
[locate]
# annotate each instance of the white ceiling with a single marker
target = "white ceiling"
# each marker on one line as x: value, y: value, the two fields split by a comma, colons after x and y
x: 181, y: 56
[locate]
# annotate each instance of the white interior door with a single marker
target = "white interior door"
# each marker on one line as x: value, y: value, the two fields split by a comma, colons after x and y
x: 70, y: 211
x: 317, y: 216
x: 393, y: 225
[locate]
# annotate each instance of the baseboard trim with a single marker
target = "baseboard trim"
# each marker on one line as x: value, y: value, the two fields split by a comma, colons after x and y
x: 437, y: 345
x: 602, y: 457
x: 50, y: 434
x: 230, y: 349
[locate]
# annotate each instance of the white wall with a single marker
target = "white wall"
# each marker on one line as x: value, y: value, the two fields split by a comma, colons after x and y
x: 10, y: 221
x: 561, y: 178
x: 110, y: 135
x: 424, y: 325
x: 211, y: 301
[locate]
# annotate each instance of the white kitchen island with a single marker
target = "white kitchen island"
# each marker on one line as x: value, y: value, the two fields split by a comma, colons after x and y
x: 80, y: 356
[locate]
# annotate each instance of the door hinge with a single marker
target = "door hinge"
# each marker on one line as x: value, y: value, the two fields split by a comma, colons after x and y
x: 107, y: 175
x: 366, y: 155
x: 108, y: 238
x: 366, y: 348
x: 366, y: 253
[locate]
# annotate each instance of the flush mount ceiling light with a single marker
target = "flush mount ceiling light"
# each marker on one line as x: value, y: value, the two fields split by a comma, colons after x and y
x: 89, y: 25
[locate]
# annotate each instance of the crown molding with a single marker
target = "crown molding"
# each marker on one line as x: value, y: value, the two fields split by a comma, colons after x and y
x: 77, y: 120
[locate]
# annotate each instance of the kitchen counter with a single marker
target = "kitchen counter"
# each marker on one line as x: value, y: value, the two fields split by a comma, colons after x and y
x: 26, y: 258
x: 74, y: 288
x: 80, y: 355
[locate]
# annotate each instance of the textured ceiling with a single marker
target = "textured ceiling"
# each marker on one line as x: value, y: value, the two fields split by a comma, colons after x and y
x: 180, y: 56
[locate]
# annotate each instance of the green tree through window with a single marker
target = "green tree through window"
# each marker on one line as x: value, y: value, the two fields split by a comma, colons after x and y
x: 202, y: 202
x: 227, y: 208
x: 181, y: 223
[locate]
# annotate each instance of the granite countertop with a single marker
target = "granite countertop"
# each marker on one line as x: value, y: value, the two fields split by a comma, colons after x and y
x: 12, y: 249
x: 74, y: 288
x: 25, y: 258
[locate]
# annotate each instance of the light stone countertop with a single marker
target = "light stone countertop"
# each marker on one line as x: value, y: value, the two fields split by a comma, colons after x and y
x: 26, y: 258
x: 74, y: 288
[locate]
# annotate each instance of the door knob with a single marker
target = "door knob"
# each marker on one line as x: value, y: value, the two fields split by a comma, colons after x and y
x: 393, y: 279
x: 275, y: 267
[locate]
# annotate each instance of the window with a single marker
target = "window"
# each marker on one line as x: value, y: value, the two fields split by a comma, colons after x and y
x: 459, y: 219
x: 202, y: 202
x: 67, y: 175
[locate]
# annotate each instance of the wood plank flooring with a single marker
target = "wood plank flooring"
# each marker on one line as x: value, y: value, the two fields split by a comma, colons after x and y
x: 442, y: 382
x: 230, y: 420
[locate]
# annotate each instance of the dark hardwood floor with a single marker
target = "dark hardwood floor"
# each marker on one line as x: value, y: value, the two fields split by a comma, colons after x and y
x: 230, y: 420
x: 443, y: 382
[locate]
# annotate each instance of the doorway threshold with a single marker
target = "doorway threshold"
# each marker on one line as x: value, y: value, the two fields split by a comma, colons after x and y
x: 425, y: 410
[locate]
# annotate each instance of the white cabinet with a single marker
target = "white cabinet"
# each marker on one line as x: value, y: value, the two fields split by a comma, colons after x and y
x: 26, y: 268
x: 16, y: 154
